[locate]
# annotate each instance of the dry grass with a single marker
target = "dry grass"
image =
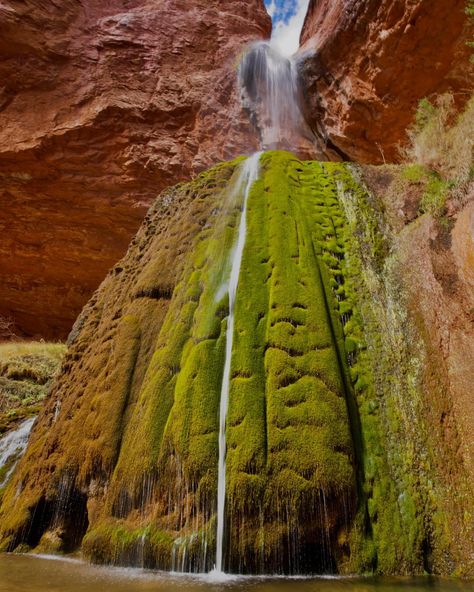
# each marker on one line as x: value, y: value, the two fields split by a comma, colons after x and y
x: 26, y: 372
x: 442, y: 140
x: 440, y: 155
x: 6, y: 328
x: 9, y: 350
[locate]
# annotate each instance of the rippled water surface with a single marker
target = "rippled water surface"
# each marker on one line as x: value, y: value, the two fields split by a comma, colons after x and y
x: 19, y: 573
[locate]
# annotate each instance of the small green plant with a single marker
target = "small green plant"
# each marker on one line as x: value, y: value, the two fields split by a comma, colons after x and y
x: 415, y: 173
x: 429, y: 144
x: 425, y: 113
x: 434, y: 198
x: 435, y: 188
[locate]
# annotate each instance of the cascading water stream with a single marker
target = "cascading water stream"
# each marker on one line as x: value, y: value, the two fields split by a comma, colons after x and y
x: 270, y: 92
x: 249, y: 175
x: 12, y: 447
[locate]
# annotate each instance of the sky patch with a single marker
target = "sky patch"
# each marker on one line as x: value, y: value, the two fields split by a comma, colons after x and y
x: 288, y: 18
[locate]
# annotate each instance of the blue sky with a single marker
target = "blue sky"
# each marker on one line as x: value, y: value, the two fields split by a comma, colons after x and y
x: 288, y: 17
x: 281, y: 10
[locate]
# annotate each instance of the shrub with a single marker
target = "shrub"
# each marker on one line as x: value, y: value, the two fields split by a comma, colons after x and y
x: 26, y: 372
x: 443, y: 141
x: 434, y: 197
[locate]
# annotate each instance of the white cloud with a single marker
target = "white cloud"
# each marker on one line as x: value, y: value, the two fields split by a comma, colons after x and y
x: 286, y: 36
x: 272, y: 8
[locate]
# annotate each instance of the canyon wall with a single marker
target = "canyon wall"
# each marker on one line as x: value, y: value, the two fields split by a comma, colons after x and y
x: 367, y: 63
x: 414, y: 290
x: 102, y: 105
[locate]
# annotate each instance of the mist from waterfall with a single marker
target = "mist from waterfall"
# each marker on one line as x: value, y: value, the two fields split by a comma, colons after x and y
x: 270, y: 93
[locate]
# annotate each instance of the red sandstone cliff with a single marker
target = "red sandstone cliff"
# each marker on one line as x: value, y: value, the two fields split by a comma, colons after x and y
x: 105, y: 104
x: 102, y: 105
x: 367, y: 64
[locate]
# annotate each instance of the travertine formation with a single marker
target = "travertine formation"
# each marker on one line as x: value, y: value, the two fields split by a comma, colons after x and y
x: 367, y: 63
x: 139, y: 391
x: 102, y: 105
x: 349, y: 421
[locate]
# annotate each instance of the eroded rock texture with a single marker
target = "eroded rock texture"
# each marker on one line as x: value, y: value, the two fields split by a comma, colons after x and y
x: 367, y: 63
x: 102, y: 105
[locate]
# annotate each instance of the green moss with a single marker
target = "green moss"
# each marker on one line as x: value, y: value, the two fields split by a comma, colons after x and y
x: 120, y: 398
x: 415, y: 173
x: 288, y: 429
x: 115, y: 543
x: 318, y: 368
x: 391, y: 532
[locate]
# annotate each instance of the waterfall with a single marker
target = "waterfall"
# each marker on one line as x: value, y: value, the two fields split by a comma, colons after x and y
x: 271, y: 94
x: 248, y: 176
x: 12, y: 446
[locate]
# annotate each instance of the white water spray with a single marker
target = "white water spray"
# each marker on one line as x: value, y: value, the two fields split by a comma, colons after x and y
x: 270, y: 83
x: 248, y: 176
x: 271, y: 94
x: 13, y: 445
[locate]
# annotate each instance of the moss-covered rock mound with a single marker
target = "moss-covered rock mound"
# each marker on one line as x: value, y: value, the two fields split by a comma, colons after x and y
x: 122, y: 462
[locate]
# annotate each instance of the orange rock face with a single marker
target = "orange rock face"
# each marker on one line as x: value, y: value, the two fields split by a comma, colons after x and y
x: 103, y: 104
x: 367, y: 63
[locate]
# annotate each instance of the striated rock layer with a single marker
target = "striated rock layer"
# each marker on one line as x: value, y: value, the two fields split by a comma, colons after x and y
x: 103, y: 104
x: 367, y: 63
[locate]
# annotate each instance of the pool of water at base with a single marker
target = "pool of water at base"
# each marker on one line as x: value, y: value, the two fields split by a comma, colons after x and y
x: 35, y: 573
